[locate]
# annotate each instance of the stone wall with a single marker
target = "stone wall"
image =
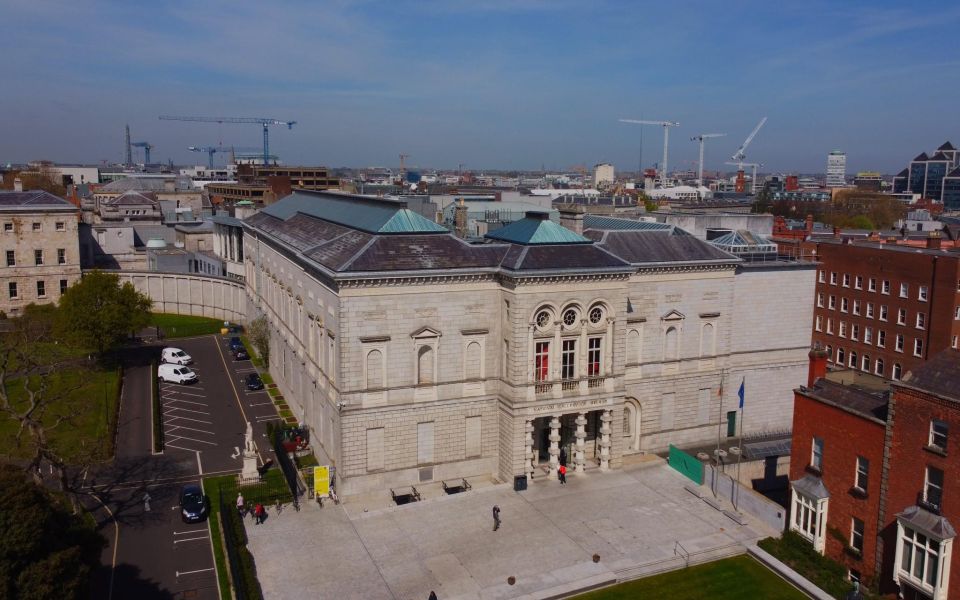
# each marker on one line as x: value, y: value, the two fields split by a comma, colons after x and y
x: 198, y: 295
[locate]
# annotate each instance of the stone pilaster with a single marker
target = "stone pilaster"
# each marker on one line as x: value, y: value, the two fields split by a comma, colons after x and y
x: 530, y: 452
x: 554, y: 447
x: 605, y: 419
x: 581, y: 435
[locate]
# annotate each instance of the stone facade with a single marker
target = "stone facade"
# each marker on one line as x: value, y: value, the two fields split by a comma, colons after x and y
x: 416, y: 376
x: 199, y: 295
x: 40, y: 250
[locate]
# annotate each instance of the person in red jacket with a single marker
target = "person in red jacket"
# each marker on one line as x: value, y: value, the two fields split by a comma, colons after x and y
x: 562, y: 471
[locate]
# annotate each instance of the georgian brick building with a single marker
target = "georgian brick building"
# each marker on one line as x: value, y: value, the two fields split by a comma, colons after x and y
x: 883, y: 308
x: 875, y: 483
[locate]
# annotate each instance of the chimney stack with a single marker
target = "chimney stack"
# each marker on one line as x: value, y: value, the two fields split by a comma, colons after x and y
x: 818, y: 364
x: 460, y: 219
x: 571, y: 217
x: 809, y: 226
x: 17, y: 185
x: 934, y: 240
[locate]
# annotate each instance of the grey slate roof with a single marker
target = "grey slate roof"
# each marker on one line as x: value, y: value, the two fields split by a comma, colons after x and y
x: 811, y: 486
x: 373, y: 215
x: 940, y: 375
x: 131, y: 198
x: 946, y: 146
x: 864, y: 402
x: 612, y: 223
x: 32, y: 199
x: 924, y: 520
x: 654, y: 247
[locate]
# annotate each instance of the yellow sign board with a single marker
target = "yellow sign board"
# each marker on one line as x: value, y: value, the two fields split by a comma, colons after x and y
x: 321, y: 481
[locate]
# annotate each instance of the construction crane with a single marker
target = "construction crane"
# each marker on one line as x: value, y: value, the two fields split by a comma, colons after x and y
x: 739, y: 154
x: 147, y: 147
x: 666, y: 142
x: 265, y: 123
x: 701, y: 138
x: 753, y: 182
x: 129, y: 162
x: 211, y: 150
x: 403, y: 168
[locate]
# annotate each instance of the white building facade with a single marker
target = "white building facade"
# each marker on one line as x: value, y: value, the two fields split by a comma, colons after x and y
x: 836, y: 169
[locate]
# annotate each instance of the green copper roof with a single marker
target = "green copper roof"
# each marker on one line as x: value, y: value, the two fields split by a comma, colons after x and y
x: 373, y: 215
x: 536, y: 229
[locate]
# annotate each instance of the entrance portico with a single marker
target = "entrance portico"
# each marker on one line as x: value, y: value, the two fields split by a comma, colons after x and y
x: 584, y: 437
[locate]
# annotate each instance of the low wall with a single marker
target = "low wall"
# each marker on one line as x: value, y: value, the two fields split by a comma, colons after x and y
x: 183, y: 294
x: 745, y: 499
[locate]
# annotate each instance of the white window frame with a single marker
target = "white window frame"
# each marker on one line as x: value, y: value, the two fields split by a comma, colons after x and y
x: 854, y: 332
x: 856, y: 307
x: 869, y: 310
x: 883, y: 312
x: 829, y: 326
x: 844, y: 304
x: 898, y: 345
x: 934, y: 435
x: 922, y: 293
x: 842, y: 332
x: 853, y: 534
x: 816, y: 457
x: 862, y: 470
x: 904, y: 290
x: 885, y: 287
x: 846, y: 280
x: 818, y: 325
x: 896, y: 372
x: 878, y: 367
x: 809, y: 518
x: 901, y: 316
x: 833, y: 278
x: 868, y: 335
x: 872, y: 284
x: 921, y: 320
x: 820, y: 300
x: 832, y: 303
x: 917, y: 347
x: 935, y: 564
x: 881, y: 339
x: 822, y: 277
x: 858, y: 282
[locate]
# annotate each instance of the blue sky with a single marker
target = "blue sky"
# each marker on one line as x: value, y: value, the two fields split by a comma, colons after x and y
x: 487, y: 83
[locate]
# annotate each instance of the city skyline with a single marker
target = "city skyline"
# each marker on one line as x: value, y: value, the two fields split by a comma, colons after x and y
x: 492, y: 85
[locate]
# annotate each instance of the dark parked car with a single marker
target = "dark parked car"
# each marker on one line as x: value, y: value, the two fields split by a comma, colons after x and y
x: 253, y: 382
x: 193, y: 504
x: 240, y: 353
x: 235, y: 343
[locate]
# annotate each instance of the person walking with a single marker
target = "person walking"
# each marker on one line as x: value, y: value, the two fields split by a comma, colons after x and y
x: 562, y: 472
x: 563, y: 457
x: 496, y: 517
x: 258, y: 514
x: 433, y: 595
x: 240, y: 507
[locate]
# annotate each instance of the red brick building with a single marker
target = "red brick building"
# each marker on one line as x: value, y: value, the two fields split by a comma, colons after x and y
x: 884, y: 308
x: 875, y: 483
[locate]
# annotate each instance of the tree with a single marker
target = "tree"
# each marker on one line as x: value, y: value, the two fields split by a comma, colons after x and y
x: 98, y: 312
x: 260, y: 338
x: 45, y: 552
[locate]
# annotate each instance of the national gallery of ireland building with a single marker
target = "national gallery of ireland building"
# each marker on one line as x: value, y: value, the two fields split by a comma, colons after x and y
x: 416, y: 356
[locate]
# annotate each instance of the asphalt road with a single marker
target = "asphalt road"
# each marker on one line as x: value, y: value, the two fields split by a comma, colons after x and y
x: 154, y: 554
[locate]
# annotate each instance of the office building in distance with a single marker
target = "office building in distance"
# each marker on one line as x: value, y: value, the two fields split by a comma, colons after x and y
x: 836, y: 169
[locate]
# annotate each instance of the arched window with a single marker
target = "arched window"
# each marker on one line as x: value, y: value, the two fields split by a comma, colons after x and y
x: 865, y: 363
x: 374, y: 369
x: 707, y: 340
x: 670, y: 344
x: 425, y: 365
x: 840, y: 356
x: 853, y: 360
x: 633, y: 346
x: 473, y: 364
x: 897, y: 371
x: 627, y: 420
x: 830, y: 353
x: 879, y: 369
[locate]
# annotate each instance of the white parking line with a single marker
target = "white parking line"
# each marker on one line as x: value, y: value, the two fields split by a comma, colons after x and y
x: 186, y: 410
x: 273, y: 418
x: 188, y: 393
x: 178, y: 388
x: 169, y: 445
x: 173, y: 418
x: 252, y: 370
x: 262, y: 404
x: 190, y: 532
x: 190, y: 540
x: 183, y: 437
x: 189, y: 428
x: 191, y: 572
x: 187, y: 402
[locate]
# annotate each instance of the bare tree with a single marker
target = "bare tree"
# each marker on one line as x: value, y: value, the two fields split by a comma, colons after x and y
x: 260, y: 337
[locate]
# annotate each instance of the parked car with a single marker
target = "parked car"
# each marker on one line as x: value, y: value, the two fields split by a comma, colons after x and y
x: 240, y: 354
x: 193, y: 504
x: 253, y: 382
x: 235, y: 343
x: 176, y: 356
x: 175, y: 374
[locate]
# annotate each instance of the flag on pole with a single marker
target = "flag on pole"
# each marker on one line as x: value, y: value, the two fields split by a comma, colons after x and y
x: 740, y: 393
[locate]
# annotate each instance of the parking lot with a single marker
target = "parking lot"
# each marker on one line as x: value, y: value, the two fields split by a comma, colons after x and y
x: 157, y: 554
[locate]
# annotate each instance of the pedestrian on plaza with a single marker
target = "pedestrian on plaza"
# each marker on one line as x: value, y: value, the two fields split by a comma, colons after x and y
x: 240, y: 507
x: 496, y: 517
x: 563, y: 457
x: 258, y: 514
x: 562, y: 472
x: 433, y: 595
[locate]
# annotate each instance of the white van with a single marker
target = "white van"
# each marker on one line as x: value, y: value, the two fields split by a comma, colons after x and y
x: 175, y: 374
x: 176, y: 356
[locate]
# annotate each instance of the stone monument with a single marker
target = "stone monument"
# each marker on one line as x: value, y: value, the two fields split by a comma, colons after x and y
x: 250, y: 472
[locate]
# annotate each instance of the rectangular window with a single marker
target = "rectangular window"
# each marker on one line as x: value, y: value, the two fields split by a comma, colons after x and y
x: 883, y: 312
x: 11, y: 258
x: 953, y: 341
x: 872, y: 285
x: 904, y: 290
x: 819, y: 323
x: 919, y: 558
x: 917, y: 347
x: 63, y: 286
x: 594, y: 356
x: 844, y: 304
x: 832, y: 305
x: 933, y: 487
x: 846, y: 280
x: 41, y: 289
x: 820, y: 300
x: 830, y: 326
x: 816, y: 454
x: 885, y: 287
x: 61, y: 226
x: 833, y: 278
x: 61, y: 256
x: 902, y: 316
x: 823, y: 276
x: 863, y: 473
x: 856, y: 535
x: 8, y: 227
x: 36, y: 227
x: 843, y: 329
x: 869, y: 310
x: 867, y: 335
x: 956, y: 313
x: 854, y: 332
x: 921, y: 320
x: 858, y: 282
x: 899, y: 345
x: 882, y: 339
x: 568, y: 360
x: 12, y: 288
x: 938, y: 434
x: 38, y: 257
x: 856, y: 307
x: 541, y: 367
x: 922, y: 294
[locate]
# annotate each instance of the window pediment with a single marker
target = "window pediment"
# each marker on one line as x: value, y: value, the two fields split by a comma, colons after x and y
x: 673, y: 315
x: 425, y: 333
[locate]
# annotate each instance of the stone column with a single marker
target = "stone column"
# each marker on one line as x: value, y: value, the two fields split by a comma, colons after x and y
x: 528, y: 464
x: 605, y: 419
x: 554, y: 447
x: 581, y: 435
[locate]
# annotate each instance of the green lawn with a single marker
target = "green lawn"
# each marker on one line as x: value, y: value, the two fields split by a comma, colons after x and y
x: 177, y: 326
x: 731, y: 578
x: 93, y: 394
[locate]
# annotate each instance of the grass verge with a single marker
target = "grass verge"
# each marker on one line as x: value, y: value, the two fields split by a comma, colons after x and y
x: 211, y: 487
x: 177, y: 326
x: 825, y: 573
x: 252, y: 351
x: 728, y: 579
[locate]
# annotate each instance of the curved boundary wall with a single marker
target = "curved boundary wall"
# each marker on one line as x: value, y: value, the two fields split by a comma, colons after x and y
x: 183, y: 294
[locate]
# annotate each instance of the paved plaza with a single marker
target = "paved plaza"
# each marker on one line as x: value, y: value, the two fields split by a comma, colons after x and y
x: 632, y: 518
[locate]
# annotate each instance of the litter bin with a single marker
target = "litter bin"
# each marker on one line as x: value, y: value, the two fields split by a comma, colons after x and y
x: 520, y: 483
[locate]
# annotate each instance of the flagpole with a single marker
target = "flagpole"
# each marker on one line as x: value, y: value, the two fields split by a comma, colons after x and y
x: 736, y: 487
x: 716, y: 456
